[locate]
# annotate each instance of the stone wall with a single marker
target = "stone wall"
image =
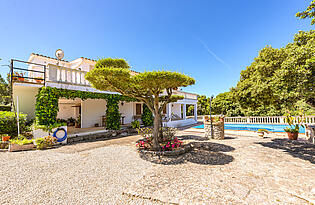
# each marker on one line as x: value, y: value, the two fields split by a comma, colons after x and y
x: 217, y: 130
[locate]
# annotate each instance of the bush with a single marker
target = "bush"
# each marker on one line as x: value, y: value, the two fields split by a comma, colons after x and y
x: 8, y: 123
x: 5, y: 108
x: 45, y: 142
x: 135, y: 124
x: 168, y: 142
x: 147, y: 117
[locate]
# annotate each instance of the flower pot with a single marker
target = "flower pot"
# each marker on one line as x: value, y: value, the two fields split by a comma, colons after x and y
x: 5, y: 138
x: 39, y: 81
x: 293, y: 135
x: 21, y: 79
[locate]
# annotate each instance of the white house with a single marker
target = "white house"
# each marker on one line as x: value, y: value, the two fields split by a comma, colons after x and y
x: 70, y: 75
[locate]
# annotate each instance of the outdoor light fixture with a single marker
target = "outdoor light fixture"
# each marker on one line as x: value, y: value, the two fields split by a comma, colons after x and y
x: 122, y: 103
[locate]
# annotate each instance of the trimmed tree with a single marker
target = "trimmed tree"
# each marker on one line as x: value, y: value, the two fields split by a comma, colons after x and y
x: 155, y: 88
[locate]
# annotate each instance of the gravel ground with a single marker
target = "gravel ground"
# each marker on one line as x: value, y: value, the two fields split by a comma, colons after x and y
x: 238, y: 170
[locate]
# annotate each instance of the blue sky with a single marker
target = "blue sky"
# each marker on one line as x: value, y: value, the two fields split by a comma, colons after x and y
x: 210, y: 40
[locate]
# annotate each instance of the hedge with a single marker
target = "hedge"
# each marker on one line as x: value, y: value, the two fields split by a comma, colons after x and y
x: 8, y: 123
x: 5, y: 108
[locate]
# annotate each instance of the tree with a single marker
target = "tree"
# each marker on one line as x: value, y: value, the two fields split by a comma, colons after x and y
x: 225, y: 104
x: 277, y: 80
x: 308, y: 13
x: 4, y: 92
x: 203, y: 105
x: 155, y: 88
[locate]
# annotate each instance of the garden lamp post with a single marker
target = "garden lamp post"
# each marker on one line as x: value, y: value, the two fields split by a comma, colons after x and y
x: 210, y: 116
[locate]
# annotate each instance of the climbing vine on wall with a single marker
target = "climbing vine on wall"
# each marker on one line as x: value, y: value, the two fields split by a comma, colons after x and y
x: 112, y: 113
x: 147, y: 117
x: 47, y: 104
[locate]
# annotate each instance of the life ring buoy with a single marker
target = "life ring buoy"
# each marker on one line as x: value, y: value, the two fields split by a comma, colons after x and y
x: 64, y: 137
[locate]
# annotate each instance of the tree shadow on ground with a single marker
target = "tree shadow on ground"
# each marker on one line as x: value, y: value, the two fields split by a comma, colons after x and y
x: 200, y: 138
x: 205, y: 153
x: 295, y: 148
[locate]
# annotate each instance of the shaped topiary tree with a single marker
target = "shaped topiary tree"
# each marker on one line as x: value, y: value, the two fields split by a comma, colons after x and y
x: 147, y: 117
x: 155, y: 88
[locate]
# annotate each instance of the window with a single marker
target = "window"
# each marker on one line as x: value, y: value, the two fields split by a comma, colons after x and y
x: 138, y: 109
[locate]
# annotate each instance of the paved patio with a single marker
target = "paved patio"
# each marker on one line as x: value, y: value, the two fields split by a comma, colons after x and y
x: 242, y: 169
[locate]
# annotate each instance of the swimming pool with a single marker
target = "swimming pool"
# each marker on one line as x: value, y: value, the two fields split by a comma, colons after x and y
x: 254, y: 127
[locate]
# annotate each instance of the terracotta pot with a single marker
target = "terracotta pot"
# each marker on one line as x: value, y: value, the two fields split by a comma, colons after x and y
x: 293, y: 135
x: 39, y: 81
x: 5, y: 138
x: 21, y: 79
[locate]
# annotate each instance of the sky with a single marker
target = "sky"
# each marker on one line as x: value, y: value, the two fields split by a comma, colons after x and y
x: 210, y: 40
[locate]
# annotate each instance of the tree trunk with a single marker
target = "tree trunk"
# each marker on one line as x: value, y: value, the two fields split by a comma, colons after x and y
x: 156, y: 131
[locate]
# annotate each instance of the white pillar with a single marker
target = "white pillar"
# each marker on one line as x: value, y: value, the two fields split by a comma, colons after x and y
x: 184, y: 111
x: 195, y: 111
x: 169, y: 111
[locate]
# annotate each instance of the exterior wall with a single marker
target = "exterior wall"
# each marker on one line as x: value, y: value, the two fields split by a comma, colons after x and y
x: 91, y: 112
x: 27, y: 99
x: 127, y: 110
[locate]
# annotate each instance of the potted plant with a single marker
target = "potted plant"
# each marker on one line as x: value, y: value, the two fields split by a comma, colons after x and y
x: 39, y: 80
x: 261, y: 132
x: 295, y: 124
x: 5, y: 137
x: 18, y: 76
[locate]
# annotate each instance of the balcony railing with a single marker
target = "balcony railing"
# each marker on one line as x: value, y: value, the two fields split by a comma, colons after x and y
x: 266, y: 120
x: 66, y: 75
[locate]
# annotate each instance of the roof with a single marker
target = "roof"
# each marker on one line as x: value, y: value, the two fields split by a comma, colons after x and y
x: 36, y: 54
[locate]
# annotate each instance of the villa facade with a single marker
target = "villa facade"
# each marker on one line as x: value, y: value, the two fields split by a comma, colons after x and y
x: 71, y: 75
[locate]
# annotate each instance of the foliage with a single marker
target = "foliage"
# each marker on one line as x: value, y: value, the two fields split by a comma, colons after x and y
x: 190, y: 110
x: 278, y: 80
x: 263, y: 131
x: 112, y: 113
x: 5, y: 108
x: 45, y: 142
x: 213, y: 119
x: 8, y: 123
x: 227, y: 105
x: 21, y: 141
x: 203, y: 105
x: 295, y: 122
x: 168, y: 137
x: 147, y: 117
x: 308, y: 13
x: 135, y: 124
x: 5, y: 98
x: 47, y: 104
x: 168, y: 141
x: 146, y: 87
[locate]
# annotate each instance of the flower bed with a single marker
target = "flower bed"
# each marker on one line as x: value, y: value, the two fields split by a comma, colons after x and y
x: 169, y: 144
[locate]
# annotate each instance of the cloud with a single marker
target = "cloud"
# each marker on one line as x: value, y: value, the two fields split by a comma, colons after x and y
x: 214, y: 55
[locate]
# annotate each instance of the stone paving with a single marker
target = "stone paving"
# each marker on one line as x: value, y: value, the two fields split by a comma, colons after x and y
x: 241, y: 169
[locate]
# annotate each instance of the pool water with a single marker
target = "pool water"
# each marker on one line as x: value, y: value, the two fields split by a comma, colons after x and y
x: 255, y: 127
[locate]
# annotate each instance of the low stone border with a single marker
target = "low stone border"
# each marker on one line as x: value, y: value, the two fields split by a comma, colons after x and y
x: 186, y: 148
x: 105, y: 135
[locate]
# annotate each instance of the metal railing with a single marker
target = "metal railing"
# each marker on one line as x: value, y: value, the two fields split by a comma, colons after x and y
x: 18, y: 77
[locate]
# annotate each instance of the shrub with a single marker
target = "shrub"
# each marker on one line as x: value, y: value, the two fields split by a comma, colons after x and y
x: 45, y: 142
x: 147, y: 117
x: 5, y: 108
x: 135, y: 124
x: 21, y: 141
x: 8, y: 123
x: 168, y: 141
